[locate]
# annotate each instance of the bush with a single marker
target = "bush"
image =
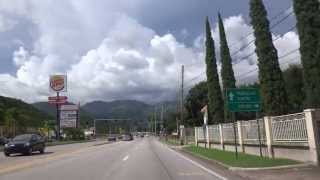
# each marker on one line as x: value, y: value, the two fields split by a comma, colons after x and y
x: 74, y: 134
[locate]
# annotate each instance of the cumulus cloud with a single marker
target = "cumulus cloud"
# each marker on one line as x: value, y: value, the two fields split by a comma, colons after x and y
x: 110, y: 55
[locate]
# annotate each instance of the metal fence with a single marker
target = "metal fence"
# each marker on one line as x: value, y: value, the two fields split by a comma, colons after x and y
x: 214, y: 133
x: 289, y: 128
x: 250, y: 131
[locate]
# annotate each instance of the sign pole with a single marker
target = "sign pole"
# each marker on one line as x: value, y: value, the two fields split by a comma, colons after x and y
x: 235, y: 134
x: 259, y: 136
x: 58, y: 119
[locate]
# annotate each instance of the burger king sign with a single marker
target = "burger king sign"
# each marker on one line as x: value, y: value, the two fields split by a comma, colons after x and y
x: 58, y: 83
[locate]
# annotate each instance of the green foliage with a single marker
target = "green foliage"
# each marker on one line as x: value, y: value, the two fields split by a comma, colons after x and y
x: 227, y: 74
x: 272, y: 86
x: 293, y: 77
x: 308, y: 23
x: 196, y: 99
x: 74, y: 134
x: 244, y: 160
x: 17, y: 115
x: 215, y: 106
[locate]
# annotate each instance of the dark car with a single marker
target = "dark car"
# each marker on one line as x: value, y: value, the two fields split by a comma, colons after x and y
x: 3, y: 140
x: 112, y: 138
x: 127, y: 137
x: 25, y: 144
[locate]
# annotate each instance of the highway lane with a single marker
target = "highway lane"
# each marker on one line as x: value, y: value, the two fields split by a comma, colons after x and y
x: 141, y: 159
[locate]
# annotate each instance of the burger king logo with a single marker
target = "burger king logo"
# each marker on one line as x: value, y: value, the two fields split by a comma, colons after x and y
x: 57, y: 82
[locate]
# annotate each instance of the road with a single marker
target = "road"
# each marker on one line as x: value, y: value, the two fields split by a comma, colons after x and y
x: 141, y: 159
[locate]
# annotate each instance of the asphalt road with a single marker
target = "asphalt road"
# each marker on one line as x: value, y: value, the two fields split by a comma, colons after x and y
x: 141, y: 159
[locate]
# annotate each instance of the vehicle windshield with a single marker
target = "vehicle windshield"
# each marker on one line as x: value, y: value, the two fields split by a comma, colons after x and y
x: 23, y: 137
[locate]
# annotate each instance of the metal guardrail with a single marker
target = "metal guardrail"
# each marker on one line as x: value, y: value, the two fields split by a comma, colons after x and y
x: 289, y: 128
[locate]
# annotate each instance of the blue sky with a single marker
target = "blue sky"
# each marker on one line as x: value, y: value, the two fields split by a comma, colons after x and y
x: 120, y: 49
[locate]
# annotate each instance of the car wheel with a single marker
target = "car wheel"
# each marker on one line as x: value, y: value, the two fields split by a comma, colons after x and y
x: 42, y: 150
x: 30, y: 150
x: 7, y: 154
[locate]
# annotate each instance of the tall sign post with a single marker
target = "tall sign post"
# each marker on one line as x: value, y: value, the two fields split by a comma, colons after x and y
x: 57, y: 84
x: 244, y: 100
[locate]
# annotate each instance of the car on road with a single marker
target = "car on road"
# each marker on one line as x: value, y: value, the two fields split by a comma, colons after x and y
x: 112, y: 138
x: 127, y: 137
x: 25, y: 144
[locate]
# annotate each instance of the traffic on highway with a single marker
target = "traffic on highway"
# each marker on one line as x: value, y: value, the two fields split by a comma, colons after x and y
x: 160, y: 90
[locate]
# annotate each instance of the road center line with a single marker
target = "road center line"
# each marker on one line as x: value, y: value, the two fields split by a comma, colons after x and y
x: 126, y: 158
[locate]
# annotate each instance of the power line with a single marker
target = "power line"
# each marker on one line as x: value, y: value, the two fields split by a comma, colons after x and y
x: 252, y: 53
x: 252, y: 41
x: 252, y: 32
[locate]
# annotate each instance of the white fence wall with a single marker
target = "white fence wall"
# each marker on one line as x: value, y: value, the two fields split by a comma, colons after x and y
x: 280, y: 135
x: 289, y: 128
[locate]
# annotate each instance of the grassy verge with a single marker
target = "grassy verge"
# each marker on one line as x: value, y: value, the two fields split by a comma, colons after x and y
x: 171, y: 141
x: 244, y: 160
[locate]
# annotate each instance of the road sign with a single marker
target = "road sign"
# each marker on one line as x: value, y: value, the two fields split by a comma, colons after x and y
x: 57, y: 98
x: 69, y: 115
x: 243, y: 100
x: 57, y: 102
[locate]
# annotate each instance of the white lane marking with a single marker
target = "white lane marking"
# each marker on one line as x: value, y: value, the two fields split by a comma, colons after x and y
x: 199, y: 165
x: 126, y: 158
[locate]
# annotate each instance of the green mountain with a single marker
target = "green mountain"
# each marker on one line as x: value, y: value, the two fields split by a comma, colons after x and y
x: 51, y: 110
x: 131, y: 109
x: 21, y: 114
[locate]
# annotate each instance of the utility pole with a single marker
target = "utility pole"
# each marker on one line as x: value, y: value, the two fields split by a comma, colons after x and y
x: 155, y: 121
x: 161, y: 126
x: 181, y: 107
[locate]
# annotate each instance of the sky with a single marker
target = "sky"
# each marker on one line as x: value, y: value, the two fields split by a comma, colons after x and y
x: 127, y: 49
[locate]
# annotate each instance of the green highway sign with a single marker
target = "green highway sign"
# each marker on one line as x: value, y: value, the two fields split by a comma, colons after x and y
x: 243, y: 100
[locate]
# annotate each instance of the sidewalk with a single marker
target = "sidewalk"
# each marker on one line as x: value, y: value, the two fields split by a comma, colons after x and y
x: 305, y: 173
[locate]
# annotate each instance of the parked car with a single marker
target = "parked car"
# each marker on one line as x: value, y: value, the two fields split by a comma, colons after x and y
x: 127, y: 137
x: 3, y: 140
x: 25, y: 144
x: 112, y: 138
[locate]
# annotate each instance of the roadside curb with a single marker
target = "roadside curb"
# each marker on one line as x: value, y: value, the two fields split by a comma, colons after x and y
x: 272, y: 168
x: 231, y: 168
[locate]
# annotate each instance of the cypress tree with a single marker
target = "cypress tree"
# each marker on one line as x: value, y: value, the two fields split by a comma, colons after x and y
x: 227, y: 74
x: 272, y: 87
x: 307, y: 14
x: 214, y: 91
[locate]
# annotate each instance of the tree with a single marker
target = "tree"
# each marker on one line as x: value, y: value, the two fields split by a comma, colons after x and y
x: 293, y: 77
x: 272, y: 86
x: 215, y: 106
x: 227, y: 74
x: 196, y: 99
x: 308, y: 23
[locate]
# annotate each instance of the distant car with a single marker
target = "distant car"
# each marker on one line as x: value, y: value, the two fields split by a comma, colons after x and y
x: 3, y: 140
x: 112, y: 138
x: 127, y: 137
x: 142, y: 135
x: 25, y: 144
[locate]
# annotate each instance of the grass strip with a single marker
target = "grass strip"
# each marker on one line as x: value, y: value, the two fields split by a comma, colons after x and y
x: 243, y: 160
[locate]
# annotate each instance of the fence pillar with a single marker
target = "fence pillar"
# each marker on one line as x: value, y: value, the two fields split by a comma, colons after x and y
x: 240, y: 137
x: 196, y: 135
x: 313, y: 134
x: 268, y: 129
x: 221, y: 136
x: 207, y: 136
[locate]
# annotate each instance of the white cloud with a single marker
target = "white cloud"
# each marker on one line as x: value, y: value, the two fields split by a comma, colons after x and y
x: 108, y: 55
